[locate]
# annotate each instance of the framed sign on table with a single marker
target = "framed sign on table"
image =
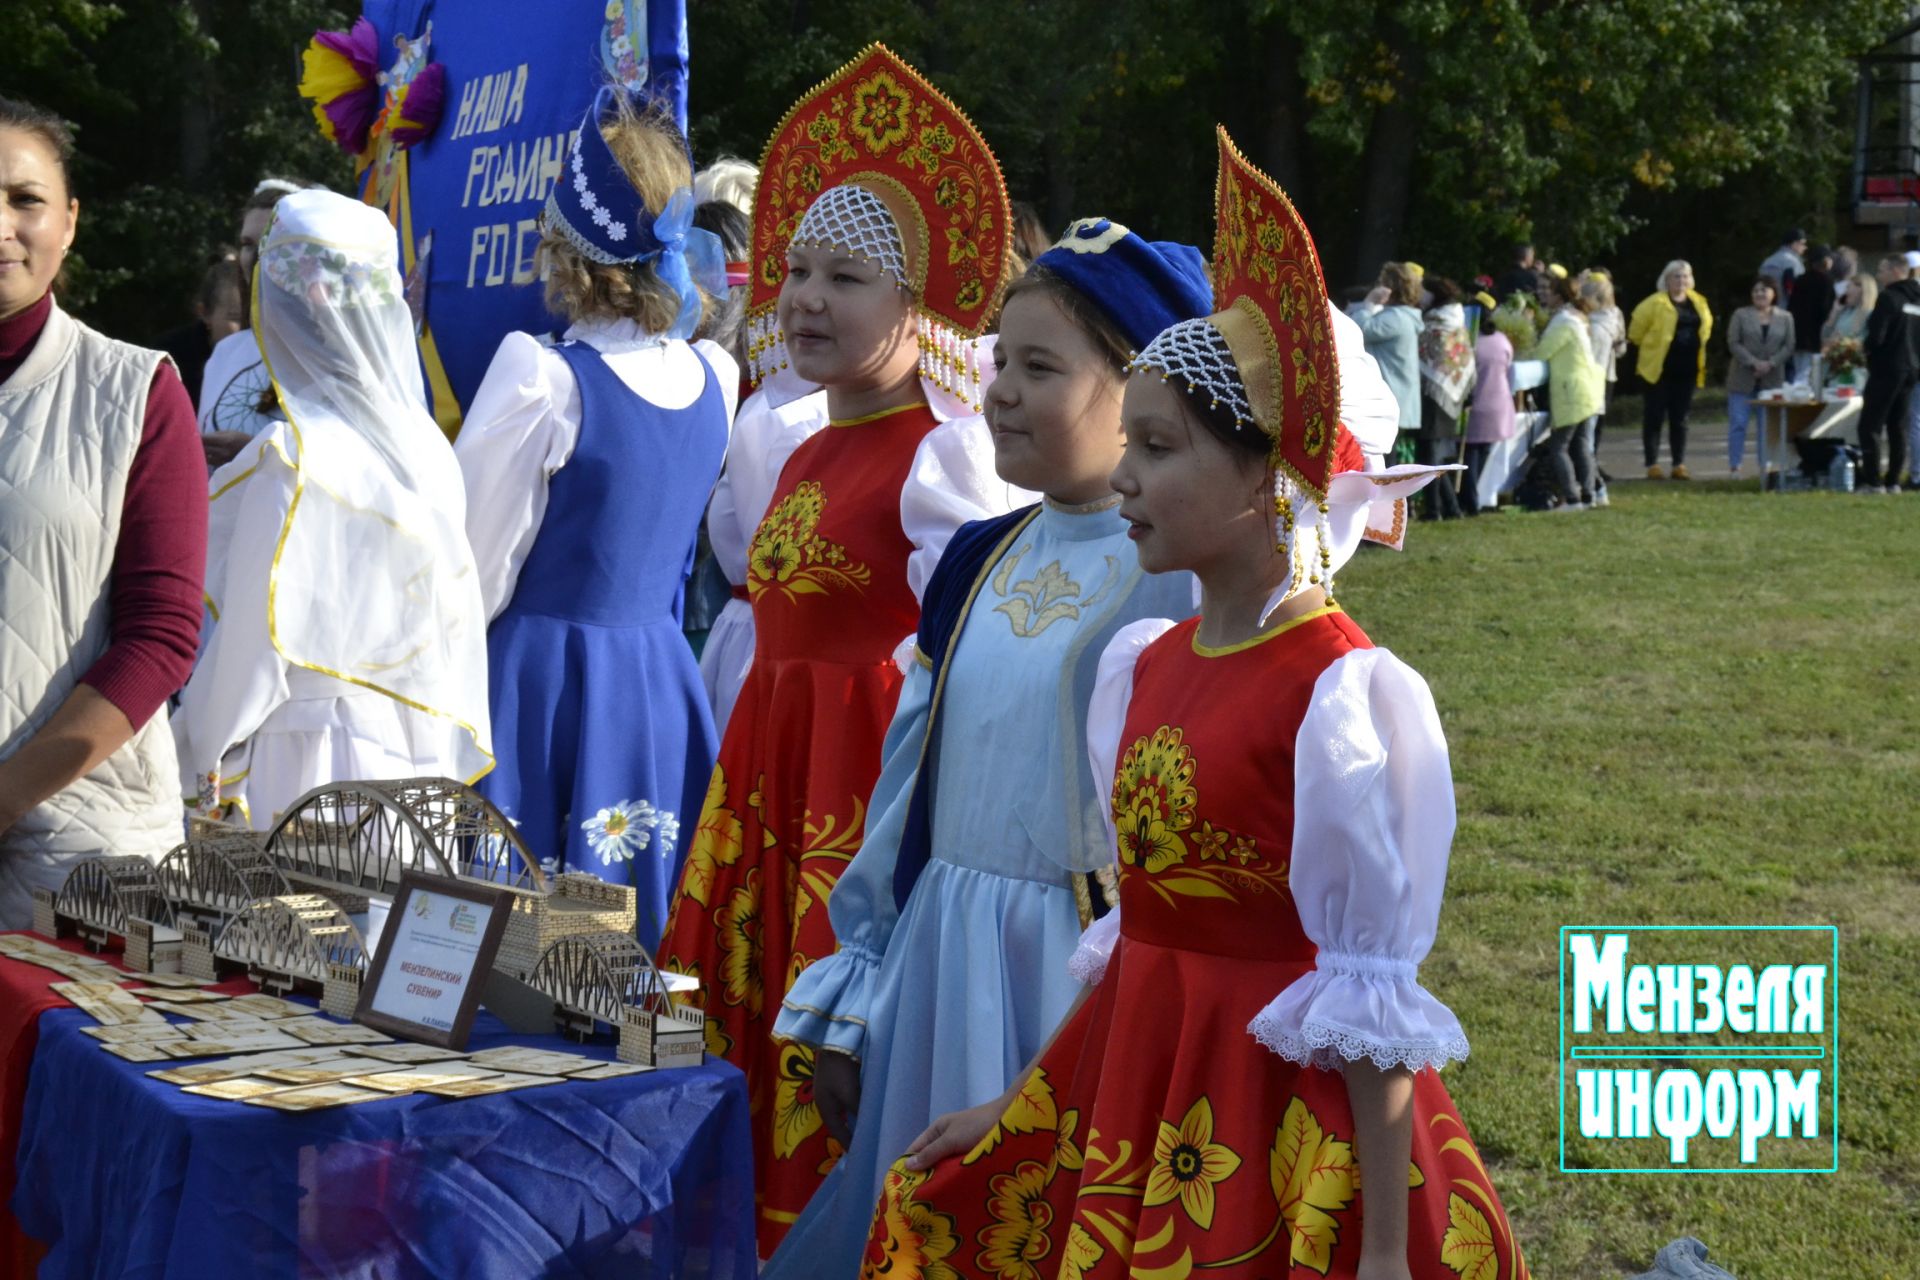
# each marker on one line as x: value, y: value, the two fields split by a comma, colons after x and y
x: 435, y: 955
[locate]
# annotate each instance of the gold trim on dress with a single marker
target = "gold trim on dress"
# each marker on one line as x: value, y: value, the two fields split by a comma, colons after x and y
x: 876, y: 415
x: 1221, y: 651
x: 946, y: 668
x: 1107, y: 503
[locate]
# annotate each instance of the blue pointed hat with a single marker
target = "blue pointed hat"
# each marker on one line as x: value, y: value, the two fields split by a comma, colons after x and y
x: 597, y: 210
x: 1143, y: 286
x: 594, y: 205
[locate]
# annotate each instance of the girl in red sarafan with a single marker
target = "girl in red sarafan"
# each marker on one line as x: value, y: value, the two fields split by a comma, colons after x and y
x: 880, y: 253
x: 1255, y: 1046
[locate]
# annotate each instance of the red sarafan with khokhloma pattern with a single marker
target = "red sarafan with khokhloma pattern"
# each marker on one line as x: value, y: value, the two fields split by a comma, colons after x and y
x: 1158, y: 1138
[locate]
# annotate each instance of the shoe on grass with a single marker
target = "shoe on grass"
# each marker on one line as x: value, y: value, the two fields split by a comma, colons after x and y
x: 1680, y: 471
x: 1655, y: 473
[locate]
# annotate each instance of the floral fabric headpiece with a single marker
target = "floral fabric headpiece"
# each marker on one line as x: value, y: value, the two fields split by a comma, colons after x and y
x: 878, y: 126
x: 329, y: 274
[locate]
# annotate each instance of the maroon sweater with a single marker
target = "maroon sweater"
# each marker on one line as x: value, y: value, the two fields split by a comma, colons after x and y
x: 161, y: 558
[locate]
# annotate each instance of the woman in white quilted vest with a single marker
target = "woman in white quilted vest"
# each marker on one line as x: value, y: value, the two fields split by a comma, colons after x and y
x: 348, y: 637
x: 101, y: 550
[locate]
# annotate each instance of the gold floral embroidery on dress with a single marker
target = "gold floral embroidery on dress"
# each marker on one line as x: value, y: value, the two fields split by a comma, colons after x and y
x: 1314, y: 1177
x: 1036, y: 603
x: 918, y: 1240
x: 1468, y: 1249
x: 1032, y: 1110
x: 1082, y: 1254
x: 831, y: 844
x: 1153, y: 810
x: 789, y: 554
x: 1188, y: 1164
x: 1153, y: 800
x: 716, y: 842
x: 1475, y: 1240
x: 1016, y: 1243
x: 741, y: 946
x: 796, y: 1115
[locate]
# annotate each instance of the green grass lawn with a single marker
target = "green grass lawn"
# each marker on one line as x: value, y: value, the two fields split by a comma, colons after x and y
x: 1701, y: 706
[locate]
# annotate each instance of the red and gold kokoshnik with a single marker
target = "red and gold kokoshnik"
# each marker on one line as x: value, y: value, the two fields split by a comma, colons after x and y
x: 1272, y: 309
x: 878, y: 123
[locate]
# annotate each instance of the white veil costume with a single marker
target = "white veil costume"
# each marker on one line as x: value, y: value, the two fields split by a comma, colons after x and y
x: 349, y: 637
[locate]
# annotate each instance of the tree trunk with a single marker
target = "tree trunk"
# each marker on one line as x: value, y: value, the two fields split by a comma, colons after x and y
x: 1283, y: 146
x: 1391, y: 142
x: 196, y: 118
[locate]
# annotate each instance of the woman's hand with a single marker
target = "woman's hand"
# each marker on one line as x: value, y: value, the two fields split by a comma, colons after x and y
x: 1378, y: 295
x: 1763, y: 367
x: 954, y: 1134
x: 222, y: 447
x: 836, y: 1091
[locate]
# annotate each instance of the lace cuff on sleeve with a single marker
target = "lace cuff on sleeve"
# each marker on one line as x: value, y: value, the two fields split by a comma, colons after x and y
x: 1088, y: 963
x: 1372, y: 827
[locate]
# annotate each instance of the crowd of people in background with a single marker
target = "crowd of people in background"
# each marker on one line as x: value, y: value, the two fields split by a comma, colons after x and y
x: 1811, y: 321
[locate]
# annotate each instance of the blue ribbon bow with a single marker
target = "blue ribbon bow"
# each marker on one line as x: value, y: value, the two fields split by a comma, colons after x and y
x: 689, y: 259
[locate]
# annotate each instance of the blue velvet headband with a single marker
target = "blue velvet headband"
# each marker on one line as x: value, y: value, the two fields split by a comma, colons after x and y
x: 1142, y: 286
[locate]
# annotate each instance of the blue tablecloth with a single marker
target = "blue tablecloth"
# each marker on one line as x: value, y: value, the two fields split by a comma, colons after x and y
x: 645, y: 1175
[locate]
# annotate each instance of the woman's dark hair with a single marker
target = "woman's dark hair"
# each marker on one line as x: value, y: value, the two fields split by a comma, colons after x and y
x: 1444, y: 291
x: 1245, y: 440
x: 46, y: 126
x: 727, y: 223
x: 1487, y: 327
x: 1089, y: 319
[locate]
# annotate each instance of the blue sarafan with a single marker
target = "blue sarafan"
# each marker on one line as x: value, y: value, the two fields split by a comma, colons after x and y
x: 602, y: 728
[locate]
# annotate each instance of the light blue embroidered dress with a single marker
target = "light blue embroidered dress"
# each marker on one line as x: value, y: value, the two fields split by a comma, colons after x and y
x: 946, y: 1001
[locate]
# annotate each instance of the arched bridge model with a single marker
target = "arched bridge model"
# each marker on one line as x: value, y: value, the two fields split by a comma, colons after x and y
x: 360, y: 836
x: 105, y: 893
x: 294, y: 935
x: 219, y: 874
x: 601, y: 976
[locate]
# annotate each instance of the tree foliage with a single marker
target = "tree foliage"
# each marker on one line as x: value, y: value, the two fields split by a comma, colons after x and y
x: 178, y: 109
x: 1620, y: 131
x: 1437, y: 129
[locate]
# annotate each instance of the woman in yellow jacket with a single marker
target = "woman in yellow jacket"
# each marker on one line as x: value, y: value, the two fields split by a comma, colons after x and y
x: 1671, y: 329
x: 1576, y: 391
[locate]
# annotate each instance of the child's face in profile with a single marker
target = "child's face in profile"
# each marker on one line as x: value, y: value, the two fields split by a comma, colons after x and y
x: 847, y: 323
x: 1189, y: 501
